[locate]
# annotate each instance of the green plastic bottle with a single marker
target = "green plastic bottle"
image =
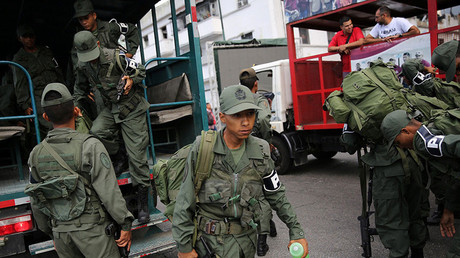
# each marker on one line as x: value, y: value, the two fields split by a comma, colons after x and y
x: 296, y: 250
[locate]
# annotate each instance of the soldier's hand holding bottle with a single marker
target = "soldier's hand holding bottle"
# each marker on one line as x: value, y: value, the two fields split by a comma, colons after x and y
x: 304, y: 244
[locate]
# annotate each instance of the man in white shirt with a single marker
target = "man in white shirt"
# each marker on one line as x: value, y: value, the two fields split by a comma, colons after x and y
x: 389, y: 28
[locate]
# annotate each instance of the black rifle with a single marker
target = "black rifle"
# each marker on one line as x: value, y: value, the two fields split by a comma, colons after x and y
x: 113, y: 229
x: 269, y: 95
x: 209, y: 252
x: 121, y: 86
x: 367, y: 232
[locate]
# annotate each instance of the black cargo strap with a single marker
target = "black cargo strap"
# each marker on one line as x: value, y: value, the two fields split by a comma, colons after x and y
x: 220, y: 227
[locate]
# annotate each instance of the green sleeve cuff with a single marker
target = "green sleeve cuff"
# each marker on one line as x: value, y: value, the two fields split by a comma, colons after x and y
x: 296, y: 233
x: 126, y: 226
x: 187, y: 248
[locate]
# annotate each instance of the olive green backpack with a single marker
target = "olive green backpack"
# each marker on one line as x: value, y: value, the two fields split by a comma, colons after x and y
x: 62, y: 197
x: 448, y: 121
x: 168, y: 174
x: 366, y: 98
x: 449, y: 92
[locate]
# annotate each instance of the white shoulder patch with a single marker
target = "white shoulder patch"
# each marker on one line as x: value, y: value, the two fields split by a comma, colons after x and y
x: 272, y: 182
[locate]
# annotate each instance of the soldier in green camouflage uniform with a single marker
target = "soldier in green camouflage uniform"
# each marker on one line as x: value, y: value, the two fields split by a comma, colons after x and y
x: 103, y: 68
x: 108, y: 34
x: 83, y: 236
x: 43, y: 69
x: 441, y: 151
x: 263, y: 130
x: 228, y: 207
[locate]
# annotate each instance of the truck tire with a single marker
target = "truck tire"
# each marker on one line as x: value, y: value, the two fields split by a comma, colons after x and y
x: 283, y: 165
x: 322, y: 155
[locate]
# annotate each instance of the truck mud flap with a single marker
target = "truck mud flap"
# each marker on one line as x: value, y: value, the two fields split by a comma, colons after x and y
x: 297, y: 147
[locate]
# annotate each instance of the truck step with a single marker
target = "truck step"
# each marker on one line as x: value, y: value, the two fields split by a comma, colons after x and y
x: 152, y: 240
x: 41, y: 247
x: 156, y: 217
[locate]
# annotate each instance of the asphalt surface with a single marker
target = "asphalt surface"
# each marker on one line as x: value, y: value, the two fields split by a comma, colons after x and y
x: 326, y: 197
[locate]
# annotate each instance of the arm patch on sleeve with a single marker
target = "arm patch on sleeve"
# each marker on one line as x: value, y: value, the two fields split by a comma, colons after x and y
x: 432, y: 142
x: 421, y: 78
x: 272, y: 182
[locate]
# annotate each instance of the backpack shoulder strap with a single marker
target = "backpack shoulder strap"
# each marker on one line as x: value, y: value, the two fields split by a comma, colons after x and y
x: 205, y: 158
x: 61, y: 161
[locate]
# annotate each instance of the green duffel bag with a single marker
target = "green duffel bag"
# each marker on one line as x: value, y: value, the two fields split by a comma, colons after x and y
x: 448, y: 121
x: 337, y: 108
x: 424, y: 104
x: 449, y: 92
x: 62, y: 198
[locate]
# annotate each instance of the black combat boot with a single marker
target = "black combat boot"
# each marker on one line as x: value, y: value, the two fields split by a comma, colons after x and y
x: 436, y: 216
x: 273, y: 232
x: 143, y: 214
x: 262, y: 247
x: 416, y: 253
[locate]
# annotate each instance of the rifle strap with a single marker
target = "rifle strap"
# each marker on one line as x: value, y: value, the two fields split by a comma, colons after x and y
x: 363, y: 183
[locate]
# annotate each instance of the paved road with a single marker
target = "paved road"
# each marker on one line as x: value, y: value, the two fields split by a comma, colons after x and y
x: 326, y: 197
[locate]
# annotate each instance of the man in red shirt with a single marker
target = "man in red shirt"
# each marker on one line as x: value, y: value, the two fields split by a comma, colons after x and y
x: 344, y: 40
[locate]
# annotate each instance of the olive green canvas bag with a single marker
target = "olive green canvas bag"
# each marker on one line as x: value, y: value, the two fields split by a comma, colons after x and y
x: 448, y: 121
x: 169, y: 174
x: 62, y: 198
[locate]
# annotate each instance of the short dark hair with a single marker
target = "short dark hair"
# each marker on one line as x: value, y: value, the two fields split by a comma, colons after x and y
x: 344, y: 19
x: 248, y: 82
x: 385, y: 10
x: 61, y: 113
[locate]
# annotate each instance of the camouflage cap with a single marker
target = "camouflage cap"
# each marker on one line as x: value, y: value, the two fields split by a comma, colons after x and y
x: 411, y: 67
x: 392, y: 125
x: 248, y: 73
x: 24, y: 30
x: 86, y: 44
x: 444, y: 58
x: 61, y: 89
x: 236, y: 98
x: 82, y: 8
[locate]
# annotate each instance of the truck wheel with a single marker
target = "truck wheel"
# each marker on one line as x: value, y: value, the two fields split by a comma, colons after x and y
x: 283, y: 165
x: 324, y: 154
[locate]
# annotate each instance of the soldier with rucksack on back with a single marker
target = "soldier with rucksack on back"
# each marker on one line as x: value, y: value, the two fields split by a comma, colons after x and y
x: 73, y: 187
x: 224, y: 209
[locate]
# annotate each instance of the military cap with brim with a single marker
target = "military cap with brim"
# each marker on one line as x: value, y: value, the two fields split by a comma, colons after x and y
x: 444, y: 58
x: 248, y: 73
x: 24, y: 30
x: 235, y: 99
x: 392, y: 125
x: 61, y: 89
x: 86, y: 44
x: 82, y: 8
x: 411, y: 68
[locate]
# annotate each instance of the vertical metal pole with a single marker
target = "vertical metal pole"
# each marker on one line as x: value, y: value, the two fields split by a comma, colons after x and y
x: 433, y: 23
x: 155, y: 32
x: 292, y: 58
x: 221, y: 21
x: 174, y: 23
x: 196, y: 73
